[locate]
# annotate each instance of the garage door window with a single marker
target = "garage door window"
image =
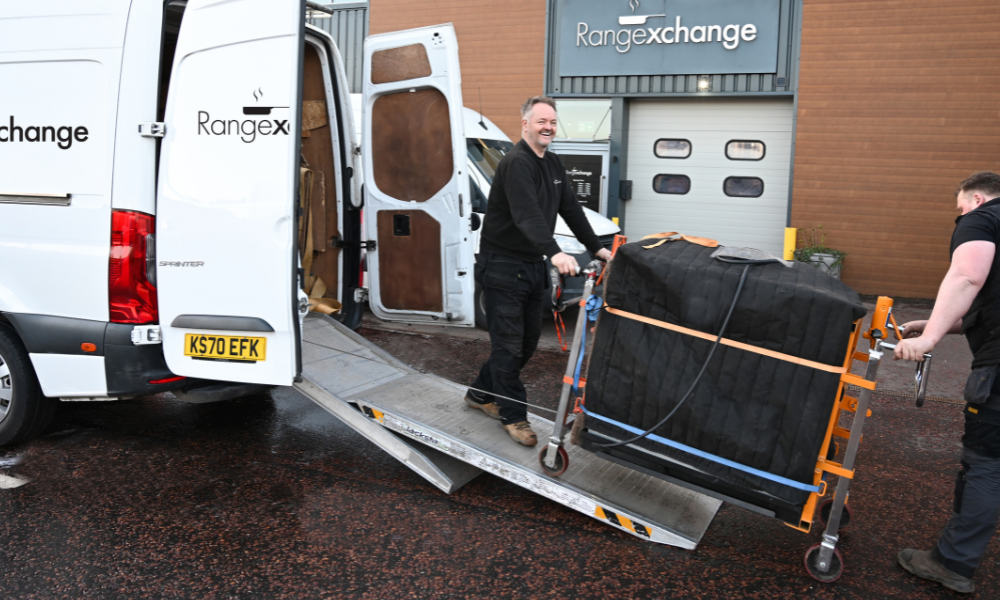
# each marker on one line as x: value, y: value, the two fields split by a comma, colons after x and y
x: 671, y: 184
x: 745, y: 150
x: 665, y: 148
x: 743, y: 187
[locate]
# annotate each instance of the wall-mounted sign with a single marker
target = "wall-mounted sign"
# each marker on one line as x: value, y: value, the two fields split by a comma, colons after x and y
x: 667, y: 37
x: 585, y: 173
x: 586, y: 170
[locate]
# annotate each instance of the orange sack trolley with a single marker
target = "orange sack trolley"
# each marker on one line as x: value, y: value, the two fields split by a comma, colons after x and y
x: 729, y: 372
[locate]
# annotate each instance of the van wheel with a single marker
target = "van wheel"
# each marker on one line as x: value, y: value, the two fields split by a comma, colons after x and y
x: 24, y: 412
x: 480, y: 302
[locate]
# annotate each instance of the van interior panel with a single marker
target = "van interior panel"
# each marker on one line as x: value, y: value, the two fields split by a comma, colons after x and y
x: 317, y: 151
x: 400, y: 64
x: 409, y: 260
x: 411, y: 144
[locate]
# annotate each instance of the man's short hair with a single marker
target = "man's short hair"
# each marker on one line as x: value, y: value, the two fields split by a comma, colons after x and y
x: 984, y: 181
x: 531, y: 102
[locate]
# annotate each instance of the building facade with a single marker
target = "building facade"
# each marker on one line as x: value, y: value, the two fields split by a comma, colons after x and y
x: 733, y: 119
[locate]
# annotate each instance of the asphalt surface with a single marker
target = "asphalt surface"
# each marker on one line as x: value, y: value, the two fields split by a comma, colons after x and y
x: 270, y: 497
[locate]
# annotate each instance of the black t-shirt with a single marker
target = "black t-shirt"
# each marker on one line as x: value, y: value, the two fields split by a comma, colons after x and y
x: 981, y: 224
x: 978, y: 225
x: 528, y: 192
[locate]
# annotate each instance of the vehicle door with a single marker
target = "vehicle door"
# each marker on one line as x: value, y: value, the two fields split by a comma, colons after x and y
x: 227, y: 263
x: 417, y: 205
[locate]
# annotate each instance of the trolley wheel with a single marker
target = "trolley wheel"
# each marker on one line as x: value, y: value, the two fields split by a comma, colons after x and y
x: 836, y: 565
x: 562, y: 462
x: 824, y: 514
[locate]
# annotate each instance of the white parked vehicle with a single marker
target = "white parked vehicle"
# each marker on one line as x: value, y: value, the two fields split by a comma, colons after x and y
x: 163, y: 163
x: 487, y: 144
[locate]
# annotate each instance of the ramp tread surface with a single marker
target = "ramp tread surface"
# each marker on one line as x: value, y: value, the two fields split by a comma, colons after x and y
x: 354, y: 372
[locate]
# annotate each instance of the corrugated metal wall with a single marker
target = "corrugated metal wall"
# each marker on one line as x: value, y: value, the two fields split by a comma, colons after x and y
x: 349, y: 27
x: 879, y: 152
x: 612, y: 85
x: 636, y: 85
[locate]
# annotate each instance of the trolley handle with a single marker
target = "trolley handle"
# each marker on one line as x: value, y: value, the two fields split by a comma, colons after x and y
x: 593, y: 268
x: 920, y: 379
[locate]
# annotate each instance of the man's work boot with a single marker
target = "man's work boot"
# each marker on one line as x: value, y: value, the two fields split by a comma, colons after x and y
x: 490, y: 409
x: 922, y: 564
x: 521, y: 433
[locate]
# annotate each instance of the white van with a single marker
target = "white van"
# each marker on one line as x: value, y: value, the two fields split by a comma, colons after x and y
x: 486, y: 145
x: 175, y: 175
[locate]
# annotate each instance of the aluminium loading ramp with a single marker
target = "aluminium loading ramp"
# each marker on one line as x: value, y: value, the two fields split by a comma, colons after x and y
x: 423, y: 421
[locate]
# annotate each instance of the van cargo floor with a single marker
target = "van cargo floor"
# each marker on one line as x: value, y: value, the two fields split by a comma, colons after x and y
x: 422, y: 420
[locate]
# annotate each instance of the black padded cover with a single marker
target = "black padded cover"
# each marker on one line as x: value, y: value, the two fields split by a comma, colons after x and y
x: 762, y: 412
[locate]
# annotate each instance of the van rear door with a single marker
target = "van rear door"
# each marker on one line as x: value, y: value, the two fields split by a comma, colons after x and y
x: 417, y: 206
x: 227, y: 263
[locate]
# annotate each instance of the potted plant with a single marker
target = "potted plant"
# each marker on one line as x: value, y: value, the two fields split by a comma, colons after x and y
x: 814, y: 251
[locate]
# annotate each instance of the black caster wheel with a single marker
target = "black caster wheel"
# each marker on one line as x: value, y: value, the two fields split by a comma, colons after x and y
x: 824, y: 514
x: 836, y: 565
x: 562, y: 461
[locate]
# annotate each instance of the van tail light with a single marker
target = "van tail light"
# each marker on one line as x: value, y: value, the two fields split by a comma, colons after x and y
x: 131, y: 270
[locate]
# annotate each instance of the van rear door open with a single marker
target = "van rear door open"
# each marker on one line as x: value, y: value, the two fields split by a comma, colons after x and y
x: 227, y: 264
x: 417, y: 205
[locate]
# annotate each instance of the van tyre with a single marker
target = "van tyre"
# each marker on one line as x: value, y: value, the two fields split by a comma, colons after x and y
x: 24, y: 411
x: 480, y: 302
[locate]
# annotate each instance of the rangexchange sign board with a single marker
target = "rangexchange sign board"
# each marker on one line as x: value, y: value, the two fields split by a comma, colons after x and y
x: 667, y: 37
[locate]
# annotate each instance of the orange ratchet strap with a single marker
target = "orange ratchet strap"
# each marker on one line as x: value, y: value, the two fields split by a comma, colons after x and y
x: 619, y: 240
x: 669, y: 237
x: 727, y: 342
x: 560, y: 331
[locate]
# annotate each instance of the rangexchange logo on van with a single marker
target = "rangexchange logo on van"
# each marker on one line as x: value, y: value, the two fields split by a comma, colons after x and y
x: 62, y: 136
x: 246, y: 129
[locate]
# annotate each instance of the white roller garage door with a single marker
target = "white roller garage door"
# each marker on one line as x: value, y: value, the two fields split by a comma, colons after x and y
x: 709, y: 124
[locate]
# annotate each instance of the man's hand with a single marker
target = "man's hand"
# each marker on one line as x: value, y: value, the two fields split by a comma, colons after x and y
x: 913, y: 349
x: 911, y: 329
x: 604, y: 254
x: 566, y: 264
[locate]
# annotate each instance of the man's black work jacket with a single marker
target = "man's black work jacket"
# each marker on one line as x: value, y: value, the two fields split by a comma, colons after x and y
x: 981, y: 325
x: 527, y: 194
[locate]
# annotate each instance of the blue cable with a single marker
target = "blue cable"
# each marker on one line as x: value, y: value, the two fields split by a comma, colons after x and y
x: 724, y: 461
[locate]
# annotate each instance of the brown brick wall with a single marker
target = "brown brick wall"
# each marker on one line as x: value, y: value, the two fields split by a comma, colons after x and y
x: 501, y: 48
x: 899, y: 100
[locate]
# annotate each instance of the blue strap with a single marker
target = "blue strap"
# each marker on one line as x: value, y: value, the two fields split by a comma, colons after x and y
x: 593, y: 309
x: 724, y: 461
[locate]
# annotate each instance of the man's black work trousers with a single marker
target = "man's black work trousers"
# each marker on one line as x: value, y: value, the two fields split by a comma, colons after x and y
x: 977, y: 497
x: 514, y: 293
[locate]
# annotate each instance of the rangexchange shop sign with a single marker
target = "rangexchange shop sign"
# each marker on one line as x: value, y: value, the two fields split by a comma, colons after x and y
x: 667, y: 37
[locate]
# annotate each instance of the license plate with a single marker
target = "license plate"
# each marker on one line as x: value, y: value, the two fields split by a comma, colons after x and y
x: 225, y: 348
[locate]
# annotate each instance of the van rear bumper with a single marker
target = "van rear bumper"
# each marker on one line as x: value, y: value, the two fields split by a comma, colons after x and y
x: 131, y: 369
x: 128, y: 369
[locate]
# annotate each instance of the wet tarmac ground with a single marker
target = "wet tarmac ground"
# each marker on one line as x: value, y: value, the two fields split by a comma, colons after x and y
x: 270, y: 497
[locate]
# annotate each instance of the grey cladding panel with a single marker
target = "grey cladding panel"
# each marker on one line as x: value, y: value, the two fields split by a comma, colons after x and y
x: 348, y: 26
x: 667, y: 84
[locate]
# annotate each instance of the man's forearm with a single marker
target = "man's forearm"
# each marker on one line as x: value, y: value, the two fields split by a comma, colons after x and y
x: 953, y: 301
